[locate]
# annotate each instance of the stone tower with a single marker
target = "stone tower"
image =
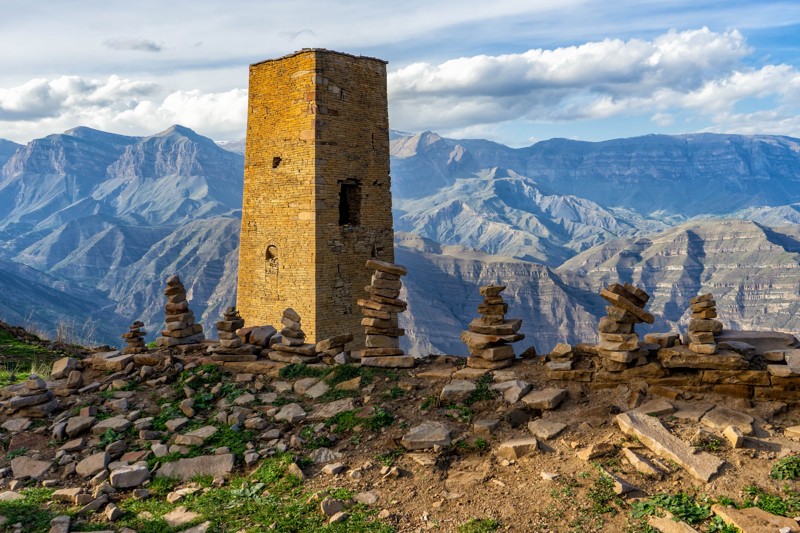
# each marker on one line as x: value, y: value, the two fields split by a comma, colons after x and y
x: 317, y: 201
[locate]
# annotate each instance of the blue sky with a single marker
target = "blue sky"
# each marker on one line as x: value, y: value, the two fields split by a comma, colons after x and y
x: 508, y: 70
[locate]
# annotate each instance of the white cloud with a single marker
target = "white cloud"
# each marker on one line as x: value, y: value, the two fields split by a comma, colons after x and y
x: 119, y: 105
x: 663, y: 119
x: 699, y: 70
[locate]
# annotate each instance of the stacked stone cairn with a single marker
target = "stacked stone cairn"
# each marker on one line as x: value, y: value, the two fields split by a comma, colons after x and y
x: 181, y: 328
x: 332, y: 350
x: 490, y: 336
x: 702, y: 326
x: 135, y: 339
x: 230, y: 347
x: 380, y: 310
x: 619, y: 346
x: 292, y: 346
x: 32, y: 399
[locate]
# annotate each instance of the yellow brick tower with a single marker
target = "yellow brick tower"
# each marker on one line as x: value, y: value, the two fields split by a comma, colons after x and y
x: 317, y: 202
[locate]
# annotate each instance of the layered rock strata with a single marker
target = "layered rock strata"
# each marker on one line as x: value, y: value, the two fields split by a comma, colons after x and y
x: 619, y: 345
x: 292, y: 346
x: 380, y: 310
x: 135, y: 339
x: 231, y: 347
x: 181, y: 327
x: 702, y: 326
x: 489, y: 336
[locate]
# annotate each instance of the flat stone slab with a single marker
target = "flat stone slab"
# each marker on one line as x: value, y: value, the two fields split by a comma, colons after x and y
x: 515, y: 448
x: 291, y: 413
x: 329, y: 410
x: 205, y: 465
x: 457, y: 391
x: 426, y: 435
x: 660, y: 441
x: 129, y: 476
x: 196, y: 437
x: 683, y: 357
x: 693, y: 411
x: 641, y: 463
x: 25, y: 467
x: 656, y: 407
x: 437, y: 373
x: 764, y: 341
x: 545, y: 429
x: 544, y: 399
x: 390, y: 361
x: 720, y: 418
x: 116, y: 423
x: 745, y: 522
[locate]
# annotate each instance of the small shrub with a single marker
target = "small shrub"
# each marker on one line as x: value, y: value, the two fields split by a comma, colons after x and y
x: 603, y: 495
x: 787, y: 468
x: 389, y: 458
x: 380, y: 419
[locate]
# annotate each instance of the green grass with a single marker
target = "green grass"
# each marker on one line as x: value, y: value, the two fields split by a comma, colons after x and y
x: 603, y: 496
x: 388, y: 458
x: 787, y: 468
x: 482, y: 391
x: 30, y: 511
x: 301, y: 371
x: 683, y: 506
x: 479, y: 525
x: 772, y: 503
x: 269, y: 498
x: 18, y: 359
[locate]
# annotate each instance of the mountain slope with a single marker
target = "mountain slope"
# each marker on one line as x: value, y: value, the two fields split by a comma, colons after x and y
x: 7, y: 149
x: 704, y: 173
x: 501, y: 212
x: 751, y: 269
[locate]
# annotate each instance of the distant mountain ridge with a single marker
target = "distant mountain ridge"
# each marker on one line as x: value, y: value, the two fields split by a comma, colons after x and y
x: 723, y: 172
x: 92, y: 223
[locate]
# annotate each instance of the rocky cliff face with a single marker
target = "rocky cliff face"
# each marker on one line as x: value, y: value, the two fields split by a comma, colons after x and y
x: 753, y: 272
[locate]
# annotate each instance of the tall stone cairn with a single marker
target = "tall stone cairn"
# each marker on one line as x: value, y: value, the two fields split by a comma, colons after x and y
x: 702, y: 326
x: 292, y: 347
x: 135, y: 339
x: 382, y: 344
x: 231, y: 348
x: 181, y: 328
x: 490, y: 336
x: 619, y: 344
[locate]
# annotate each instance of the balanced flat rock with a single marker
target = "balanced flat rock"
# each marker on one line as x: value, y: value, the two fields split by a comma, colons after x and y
x: 683, y: 357
x: 660, y: 441
x: 764, y: 341
x: 389, y: 268
x: 624, y: 303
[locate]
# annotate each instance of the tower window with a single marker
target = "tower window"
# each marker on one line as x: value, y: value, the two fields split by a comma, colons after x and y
x: 349, y: 204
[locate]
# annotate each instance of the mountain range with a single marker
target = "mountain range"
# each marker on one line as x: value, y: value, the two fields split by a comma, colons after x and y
x: 92, y: 223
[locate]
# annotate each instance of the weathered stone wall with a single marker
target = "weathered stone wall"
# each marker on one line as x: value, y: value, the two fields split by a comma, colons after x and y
x: 316, y: 120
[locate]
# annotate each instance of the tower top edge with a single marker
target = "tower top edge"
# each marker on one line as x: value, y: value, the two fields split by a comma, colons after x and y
x: 317, y: 52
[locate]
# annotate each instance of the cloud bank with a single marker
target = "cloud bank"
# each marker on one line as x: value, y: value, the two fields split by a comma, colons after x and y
x: 696, y: 70
x: 677, y: 81
x: 119, y: 105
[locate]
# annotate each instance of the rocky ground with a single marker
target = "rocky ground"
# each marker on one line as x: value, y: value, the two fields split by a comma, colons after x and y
x: 173, y: 443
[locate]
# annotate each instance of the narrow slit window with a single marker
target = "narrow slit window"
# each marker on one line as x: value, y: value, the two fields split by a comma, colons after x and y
x: 349, y: 204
